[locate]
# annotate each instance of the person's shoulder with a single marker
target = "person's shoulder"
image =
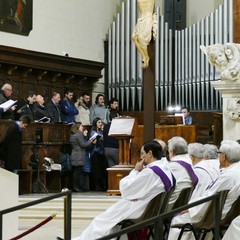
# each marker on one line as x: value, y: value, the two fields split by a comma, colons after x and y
x: 49, y: 103
x: 93, y: 106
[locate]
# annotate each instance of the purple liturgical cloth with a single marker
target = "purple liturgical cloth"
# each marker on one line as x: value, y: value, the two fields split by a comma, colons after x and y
x: 190, y: 171
x: 166, y: 181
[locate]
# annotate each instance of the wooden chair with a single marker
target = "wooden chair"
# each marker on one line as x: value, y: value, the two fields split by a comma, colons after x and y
x: 153, y: 209
x: 207, y: 223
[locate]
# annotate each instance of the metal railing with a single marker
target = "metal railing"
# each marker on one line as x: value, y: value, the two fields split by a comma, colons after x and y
x: 158, y: 221
x: 67, y: 211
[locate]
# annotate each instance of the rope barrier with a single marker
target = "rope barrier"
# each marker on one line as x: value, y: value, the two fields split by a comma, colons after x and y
x: 35, y: 227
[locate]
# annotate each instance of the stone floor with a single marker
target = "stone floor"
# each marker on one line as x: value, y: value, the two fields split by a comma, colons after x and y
x: 51, y: 232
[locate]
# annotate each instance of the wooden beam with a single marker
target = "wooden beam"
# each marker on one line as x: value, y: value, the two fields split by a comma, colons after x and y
x: 149, y: 95
x: 236, y: 21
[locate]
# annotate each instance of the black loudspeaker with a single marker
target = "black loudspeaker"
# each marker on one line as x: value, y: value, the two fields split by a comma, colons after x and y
x: 39, y: 135
x: 175, y: 13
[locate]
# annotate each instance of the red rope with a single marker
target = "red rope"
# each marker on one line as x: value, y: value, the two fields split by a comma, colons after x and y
x: 34, y: 228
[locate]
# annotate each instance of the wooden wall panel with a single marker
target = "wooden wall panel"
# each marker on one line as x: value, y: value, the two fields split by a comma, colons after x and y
x: 236, y: 21
x: 46, y: 73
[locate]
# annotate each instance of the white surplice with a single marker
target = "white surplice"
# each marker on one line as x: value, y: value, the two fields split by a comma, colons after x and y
x: 137, y: 189
x: 233, y: 232
x: 183, y: 180
x: 229, y: 179
x: 207, y: 172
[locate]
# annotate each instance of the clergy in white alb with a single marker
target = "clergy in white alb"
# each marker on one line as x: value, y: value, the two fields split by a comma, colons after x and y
x: 229, y: 179
x: 137, y: 189
x: 205, y: 168
x: 178, y: 155
x: 233, y: 232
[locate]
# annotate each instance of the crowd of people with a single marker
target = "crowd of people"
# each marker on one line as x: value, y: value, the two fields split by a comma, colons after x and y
x: 179, y: 165
x: 58, y: 109
x: 91, y: 153
x: 161, y: 166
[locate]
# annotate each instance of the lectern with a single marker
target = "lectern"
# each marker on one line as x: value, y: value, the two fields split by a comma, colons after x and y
x: 121, y: 128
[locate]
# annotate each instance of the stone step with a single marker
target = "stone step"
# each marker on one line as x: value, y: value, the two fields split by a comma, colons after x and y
x: 84, y: 209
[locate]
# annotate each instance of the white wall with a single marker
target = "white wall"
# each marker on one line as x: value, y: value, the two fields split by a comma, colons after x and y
x: 196, y: 10
x: 77, y: 26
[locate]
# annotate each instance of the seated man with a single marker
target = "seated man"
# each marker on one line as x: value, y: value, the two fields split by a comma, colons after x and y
x: 181, y: 167
x: 137, y: 189
x: 187, y: 117
x: 228, y: 180
x: 205, y: 169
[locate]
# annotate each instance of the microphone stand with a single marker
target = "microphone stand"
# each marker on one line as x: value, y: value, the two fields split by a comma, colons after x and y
x: 38, y: 186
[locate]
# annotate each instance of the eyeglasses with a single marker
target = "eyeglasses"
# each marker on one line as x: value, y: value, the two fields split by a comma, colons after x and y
x: 10, y: 90
x: 220, y: 153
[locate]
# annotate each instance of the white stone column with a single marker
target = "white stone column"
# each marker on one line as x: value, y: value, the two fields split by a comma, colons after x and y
x: 9, y: 198
x: 230, y: 91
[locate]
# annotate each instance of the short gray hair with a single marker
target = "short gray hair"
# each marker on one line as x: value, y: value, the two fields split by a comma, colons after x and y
x: 231, y: 149
x: 6, y: 86
x: 178, y: 145
x: 196, y: 150
x: 211, y: 151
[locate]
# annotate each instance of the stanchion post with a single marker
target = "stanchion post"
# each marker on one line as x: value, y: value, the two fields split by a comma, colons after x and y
x: 67, y: 216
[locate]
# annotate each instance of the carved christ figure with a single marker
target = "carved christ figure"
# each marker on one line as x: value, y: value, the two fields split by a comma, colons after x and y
x: 145, y: 29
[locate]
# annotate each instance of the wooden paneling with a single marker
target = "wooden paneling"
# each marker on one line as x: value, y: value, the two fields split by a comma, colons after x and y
x: 218, y: 129
x: 54, y: 136
x: 45, y: 73
x: 236, y: 21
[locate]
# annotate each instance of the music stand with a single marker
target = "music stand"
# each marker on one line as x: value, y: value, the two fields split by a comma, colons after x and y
x: 38, y: 186
x: 121, y: 128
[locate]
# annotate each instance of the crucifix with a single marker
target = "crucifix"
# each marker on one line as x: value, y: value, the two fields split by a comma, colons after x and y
x: 143, y: 35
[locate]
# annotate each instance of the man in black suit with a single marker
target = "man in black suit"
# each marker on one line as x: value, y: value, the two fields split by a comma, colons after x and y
x: 12, y: 144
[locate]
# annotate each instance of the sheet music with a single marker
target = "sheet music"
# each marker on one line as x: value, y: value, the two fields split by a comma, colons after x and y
x: 181, y: 115
x: 121, y: 126
x: 8, y: 104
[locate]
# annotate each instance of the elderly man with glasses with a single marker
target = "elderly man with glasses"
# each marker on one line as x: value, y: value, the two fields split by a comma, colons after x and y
x: 5, y: 95
x: 229, y: 179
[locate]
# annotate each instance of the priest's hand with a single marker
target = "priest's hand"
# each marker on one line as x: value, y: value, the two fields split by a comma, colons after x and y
x: 139, y: 165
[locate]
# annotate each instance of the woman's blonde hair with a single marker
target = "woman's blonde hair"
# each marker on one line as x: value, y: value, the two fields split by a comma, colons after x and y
x: 75, y: 127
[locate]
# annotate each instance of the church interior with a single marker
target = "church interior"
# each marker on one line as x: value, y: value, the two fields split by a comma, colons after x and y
x: 47, y: 46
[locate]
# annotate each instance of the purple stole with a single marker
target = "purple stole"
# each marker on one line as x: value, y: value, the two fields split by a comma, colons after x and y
x: 190, y: 171
x: 166, y: 181
x: 205, y: 171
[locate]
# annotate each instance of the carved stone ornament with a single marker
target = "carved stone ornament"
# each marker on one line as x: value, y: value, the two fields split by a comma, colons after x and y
x: 233, y: 108
x: 226, y: 58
